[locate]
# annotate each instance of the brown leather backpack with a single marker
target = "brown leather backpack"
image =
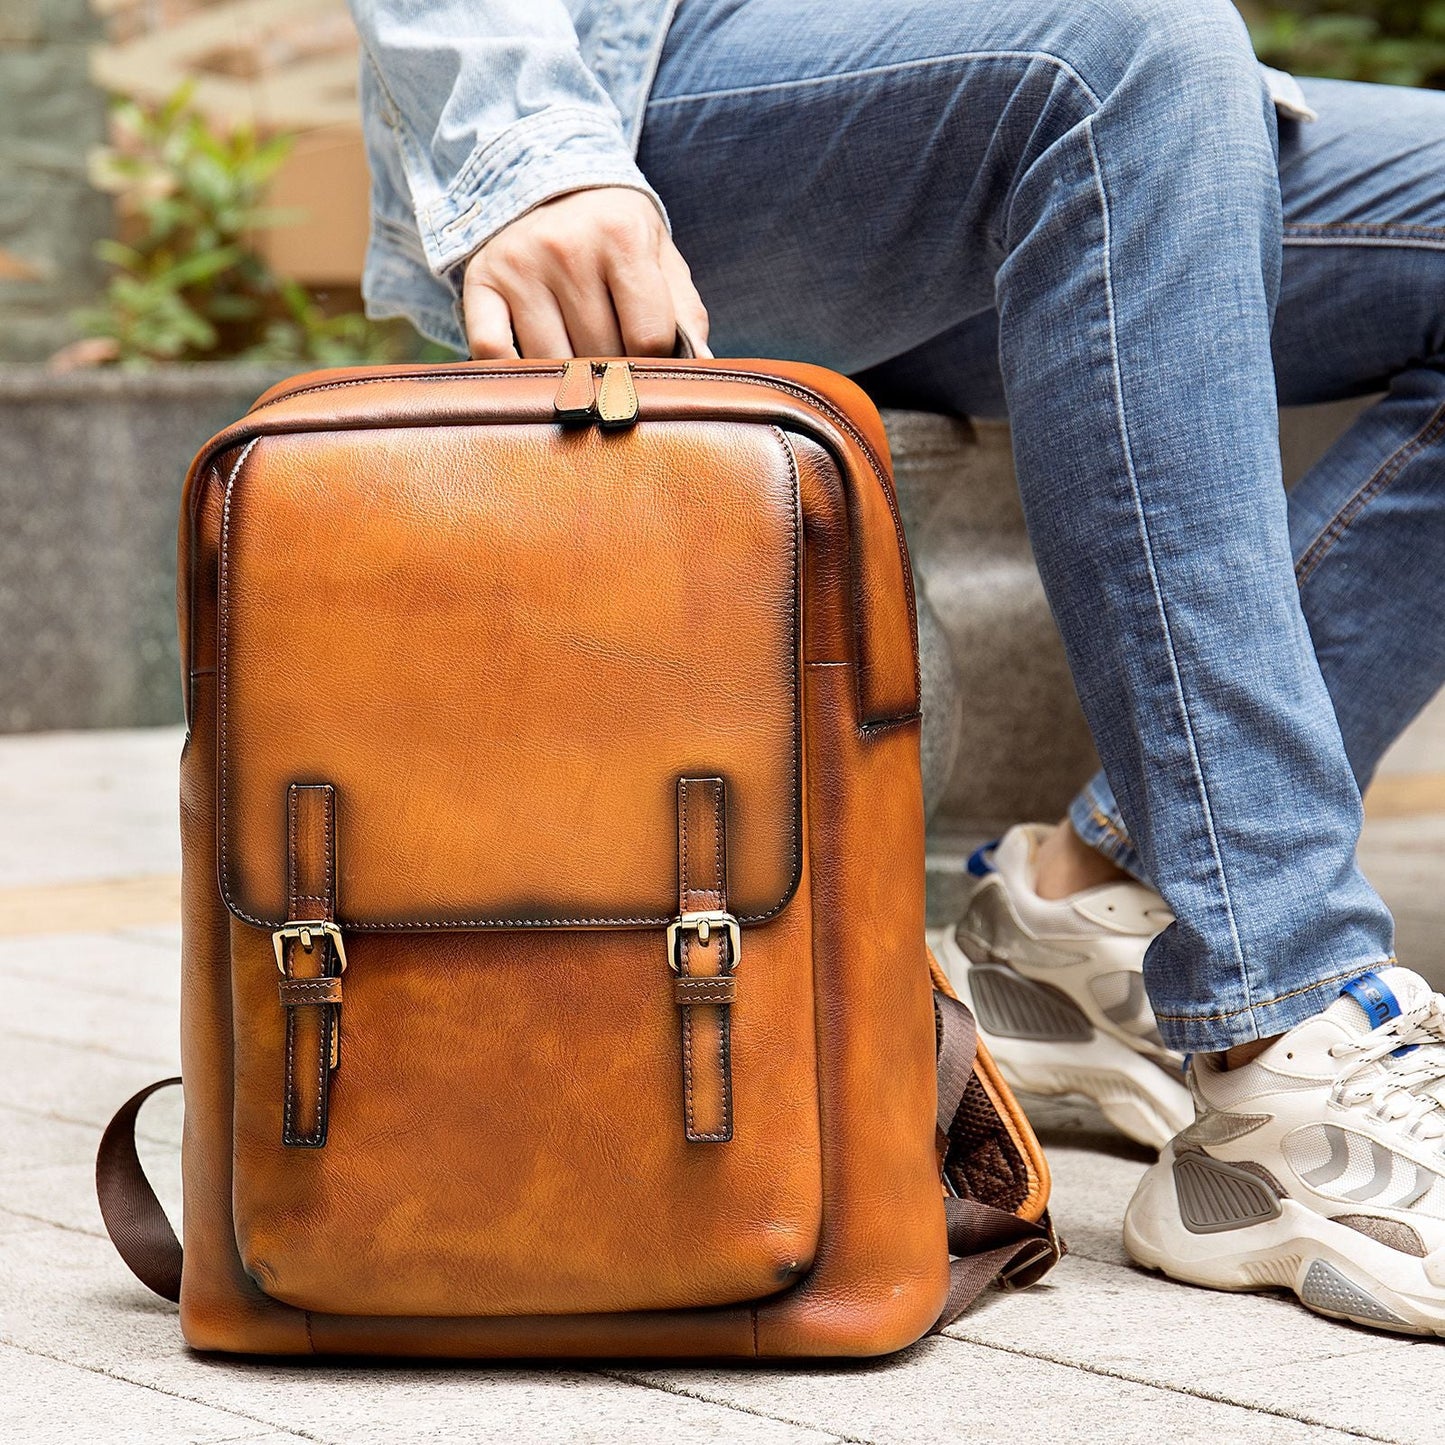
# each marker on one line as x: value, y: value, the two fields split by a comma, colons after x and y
x: 554, y: 967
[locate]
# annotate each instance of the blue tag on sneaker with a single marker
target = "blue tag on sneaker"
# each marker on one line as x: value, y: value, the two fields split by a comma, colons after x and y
x: 1378, y: 1000
x: 1375, y: 996
x: 979, y: 863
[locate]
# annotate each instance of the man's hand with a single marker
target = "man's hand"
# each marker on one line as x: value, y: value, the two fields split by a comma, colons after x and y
x: 590, y: 273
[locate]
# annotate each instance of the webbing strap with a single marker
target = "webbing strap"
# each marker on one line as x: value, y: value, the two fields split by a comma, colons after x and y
x: 133, y: 1216
x: 989, y: 1244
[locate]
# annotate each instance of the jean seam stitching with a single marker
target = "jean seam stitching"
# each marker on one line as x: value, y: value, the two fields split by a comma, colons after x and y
x: 1142, y: 523
x: 1384, y: 476
x: 1363, y: 230
x: 1353, y: 972
x: 874, y: 71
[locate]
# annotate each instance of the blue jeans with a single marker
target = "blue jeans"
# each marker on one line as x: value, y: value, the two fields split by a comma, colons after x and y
x: 1073, y: 212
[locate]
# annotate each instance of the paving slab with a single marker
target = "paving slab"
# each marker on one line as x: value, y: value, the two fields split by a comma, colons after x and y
x: 55, y: 1010
x: 30, y: 1141
x: 137, y: 963
x: 49, y: 1402
x: 82, y: 1308
x: 948, y: 1389
x: 68, y: 1081
x: 1386, y: 1391
x: 89, y: 805
x: 1101, y: 1353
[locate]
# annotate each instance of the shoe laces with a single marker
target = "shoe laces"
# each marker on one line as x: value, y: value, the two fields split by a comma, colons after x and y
x: 1398, y: 1070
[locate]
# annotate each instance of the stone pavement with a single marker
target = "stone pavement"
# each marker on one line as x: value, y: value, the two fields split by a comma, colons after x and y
x: 1103, y: 1353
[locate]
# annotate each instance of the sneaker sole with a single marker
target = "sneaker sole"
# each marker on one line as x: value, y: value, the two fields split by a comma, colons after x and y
x: 1330, y: 1268
x: 1132, y: 1092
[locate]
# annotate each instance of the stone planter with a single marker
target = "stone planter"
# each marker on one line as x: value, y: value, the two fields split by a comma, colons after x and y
x: 91, y: 465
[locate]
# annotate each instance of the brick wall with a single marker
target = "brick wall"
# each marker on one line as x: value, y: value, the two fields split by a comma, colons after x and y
x: 50, y: 217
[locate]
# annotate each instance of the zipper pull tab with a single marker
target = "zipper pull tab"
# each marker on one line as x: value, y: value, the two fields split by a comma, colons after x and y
x: 576, y: 398
x: 617, y: 398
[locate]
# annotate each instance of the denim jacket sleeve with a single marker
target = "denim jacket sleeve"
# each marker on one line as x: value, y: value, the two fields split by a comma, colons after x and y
x: 487, y: 108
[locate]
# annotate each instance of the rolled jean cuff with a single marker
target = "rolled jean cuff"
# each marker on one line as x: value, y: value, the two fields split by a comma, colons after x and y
x: 1094, y: 816
x: 1212, y: 1033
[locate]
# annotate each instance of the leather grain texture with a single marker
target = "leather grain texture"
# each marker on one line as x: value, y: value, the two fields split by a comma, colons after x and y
x: 472, y: 621
x: 502, y: 641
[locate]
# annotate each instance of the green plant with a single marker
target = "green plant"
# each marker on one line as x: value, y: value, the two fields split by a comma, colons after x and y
x: 188, y: 283
x: 1396, y: 42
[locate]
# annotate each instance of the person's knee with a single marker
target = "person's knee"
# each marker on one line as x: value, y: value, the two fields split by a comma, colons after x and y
x: 1191, y: 61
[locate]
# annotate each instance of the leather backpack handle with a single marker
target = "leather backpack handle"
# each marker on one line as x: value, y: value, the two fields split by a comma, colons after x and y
x: 685, y: 348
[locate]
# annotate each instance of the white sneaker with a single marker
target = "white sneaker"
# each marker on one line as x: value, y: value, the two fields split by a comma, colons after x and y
x: 1319, y: 1167
x: 1057, y: 987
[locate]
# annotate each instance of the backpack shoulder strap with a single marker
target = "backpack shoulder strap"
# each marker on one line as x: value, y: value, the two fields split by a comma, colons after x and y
x: 133, y: 1216
x: 987, y: 1243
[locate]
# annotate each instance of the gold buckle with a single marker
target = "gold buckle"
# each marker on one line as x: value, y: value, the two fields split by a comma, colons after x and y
x: 304, y: 932
x: 702, y: 924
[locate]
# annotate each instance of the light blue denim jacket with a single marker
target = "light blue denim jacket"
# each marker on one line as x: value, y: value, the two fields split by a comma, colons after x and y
x: 477, y: 110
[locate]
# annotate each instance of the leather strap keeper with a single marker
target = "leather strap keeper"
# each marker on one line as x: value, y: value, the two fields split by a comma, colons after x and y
x: 299, y: 992
x: 691, y: 991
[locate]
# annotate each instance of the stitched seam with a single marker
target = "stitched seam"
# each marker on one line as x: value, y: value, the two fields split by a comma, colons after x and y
x: 686, y: 892
x: 1388, y: 472
x: 1380, y: 243
x: 686, y: 880
x: 312, y: 1135
x: 328, y: 807
x: 1278, y: 998
x: 323, y: 1058
x: 724, y: 1014
x: 719, y: 802
x: 288, y: 1131
x: 872, y: 72
x: 288, y: 1116
x: 301, y: 987
x: 1384, y: 230
x: 794, y: 779
x: 687, y: 1058
x: 724, y: 1060
x: 327, y: 1017
x: 1144, y: 537
x: 795, y: 650
x: 223, y: 655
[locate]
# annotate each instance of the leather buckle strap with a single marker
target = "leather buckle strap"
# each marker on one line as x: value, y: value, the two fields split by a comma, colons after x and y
x: 311, y: 958
x: 704, y: 943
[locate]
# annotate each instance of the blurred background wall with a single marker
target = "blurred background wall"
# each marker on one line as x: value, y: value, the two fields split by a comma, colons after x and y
x: 288, y: 67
